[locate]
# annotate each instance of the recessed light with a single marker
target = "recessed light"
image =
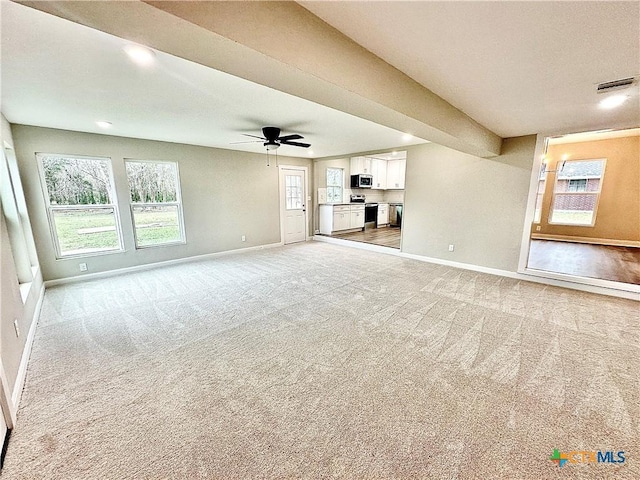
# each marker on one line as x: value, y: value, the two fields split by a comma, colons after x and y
x: 141, y: 55
x: 613, y: 101
x: 103, y: 124
x: 407, y: 136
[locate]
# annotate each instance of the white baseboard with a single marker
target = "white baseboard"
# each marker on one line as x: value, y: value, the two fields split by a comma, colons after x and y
x: 26, y: 353
x: 602, y: 287
x: 149, y: 266
x: 589, y: 240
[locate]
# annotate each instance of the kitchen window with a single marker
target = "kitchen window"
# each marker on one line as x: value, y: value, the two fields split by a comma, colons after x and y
x: 577, y: 192
x: 335, y: 182
x: 156, y: 206
x: 81, y: 204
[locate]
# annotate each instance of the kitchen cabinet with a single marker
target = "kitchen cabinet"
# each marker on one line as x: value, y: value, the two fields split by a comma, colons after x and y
x: 335, y: 218
x: 357, y: 217
x: 341, y: 219
x: 379, y: 172
x: 396, y: 170
x: 387, y: 174
x: 383, y: 214
x: 360, y: 165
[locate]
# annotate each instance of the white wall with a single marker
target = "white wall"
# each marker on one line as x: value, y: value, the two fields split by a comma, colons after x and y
x: 225, y: 194
x: 12, y: 305
x: 477, y: 204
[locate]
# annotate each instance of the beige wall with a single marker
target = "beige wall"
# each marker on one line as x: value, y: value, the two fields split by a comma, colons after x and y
x: 618, y: 212
x: 474, y: 203
x: 320, y: 181
x: 225, y: 194
x: 12, y: 306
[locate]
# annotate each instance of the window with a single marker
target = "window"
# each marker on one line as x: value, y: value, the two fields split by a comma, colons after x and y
x: 577, y: 185
x: 542, y: 184
x: 293, y: 192
x: 81, y: 204
x: 156, y: 207
x: 576, y: 193
x: 335, y: 182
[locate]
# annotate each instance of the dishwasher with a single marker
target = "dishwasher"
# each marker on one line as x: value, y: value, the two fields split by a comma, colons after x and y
x: 395, y: 215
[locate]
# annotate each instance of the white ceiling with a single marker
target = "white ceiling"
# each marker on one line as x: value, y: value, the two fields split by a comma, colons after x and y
x: 515, y: 67
x: 593, y: 136
x: 60, y: 74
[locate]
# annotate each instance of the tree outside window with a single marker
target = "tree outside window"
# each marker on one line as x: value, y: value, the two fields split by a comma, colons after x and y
x: 156, y: 207
x: 81, y: 204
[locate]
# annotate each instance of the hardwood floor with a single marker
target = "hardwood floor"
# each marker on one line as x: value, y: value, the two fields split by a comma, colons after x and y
x: 385, y: 236
x: 619, y: 264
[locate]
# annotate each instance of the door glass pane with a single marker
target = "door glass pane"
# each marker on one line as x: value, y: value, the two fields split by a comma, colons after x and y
x: 293, y: 192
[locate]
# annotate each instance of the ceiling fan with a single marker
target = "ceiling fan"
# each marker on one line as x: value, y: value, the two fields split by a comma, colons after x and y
x: 272, y: 140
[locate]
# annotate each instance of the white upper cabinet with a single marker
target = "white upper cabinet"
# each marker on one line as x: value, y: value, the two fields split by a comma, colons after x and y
x: 379, y: 172
x: 387, y: 174
x: 396, y: 170
x: 360, y: 165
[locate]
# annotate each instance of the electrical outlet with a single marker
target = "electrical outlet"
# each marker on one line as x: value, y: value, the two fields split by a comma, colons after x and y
x: 83, y: 267
x: 538, y: 228
x: 244, y: 238
x: 15, y: 325
x: 451, y: 247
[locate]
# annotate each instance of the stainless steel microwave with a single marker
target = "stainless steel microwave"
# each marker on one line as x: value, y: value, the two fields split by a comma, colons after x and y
x: 361, y: 181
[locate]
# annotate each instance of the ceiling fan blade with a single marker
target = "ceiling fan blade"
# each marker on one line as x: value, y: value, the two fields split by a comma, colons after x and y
x: 250, y: 141
x: 296, y: 144
x: 254, y: 136
x: 286, y: 138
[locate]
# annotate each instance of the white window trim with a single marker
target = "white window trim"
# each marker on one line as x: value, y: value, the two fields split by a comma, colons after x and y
x: 543, y: 173
x: 52, y: 226
x: 178, y: 203
x: 596, y: 194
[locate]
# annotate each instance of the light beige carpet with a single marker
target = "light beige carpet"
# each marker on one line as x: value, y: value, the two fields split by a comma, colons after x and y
x: 319, y: 361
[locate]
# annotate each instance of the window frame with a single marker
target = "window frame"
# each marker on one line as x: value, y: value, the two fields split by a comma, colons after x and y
x: 542, y: 177
x: 341, y: 187
x: 50, y: 208
x: 594, y: 193
x: 178, y: 204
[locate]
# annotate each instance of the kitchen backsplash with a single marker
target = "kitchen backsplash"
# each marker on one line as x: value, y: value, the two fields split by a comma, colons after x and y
x: 377, y: 196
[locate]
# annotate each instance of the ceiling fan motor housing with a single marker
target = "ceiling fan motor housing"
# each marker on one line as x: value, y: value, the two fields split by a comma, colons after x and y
x: 271, y: 134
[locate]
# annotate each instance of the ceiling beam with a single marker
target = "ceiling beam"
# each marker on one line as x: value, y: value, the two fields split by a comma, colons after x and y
x: 284, y: 46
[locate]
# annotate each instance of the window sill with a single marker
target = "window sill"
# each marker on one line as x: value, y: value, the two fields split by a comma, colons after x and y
x: 572, y: 224
x: 90, y: 254
x: 169, y: 244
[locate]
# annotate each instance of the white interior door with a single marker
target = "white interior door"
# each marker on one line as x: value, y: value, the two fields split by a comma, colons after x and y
x: 294, y: 210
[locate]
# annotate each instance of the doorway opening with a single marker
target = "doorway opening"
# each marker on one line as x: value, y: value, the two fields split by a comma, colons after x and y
x: 586, y: 212
x: 361, y: 198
